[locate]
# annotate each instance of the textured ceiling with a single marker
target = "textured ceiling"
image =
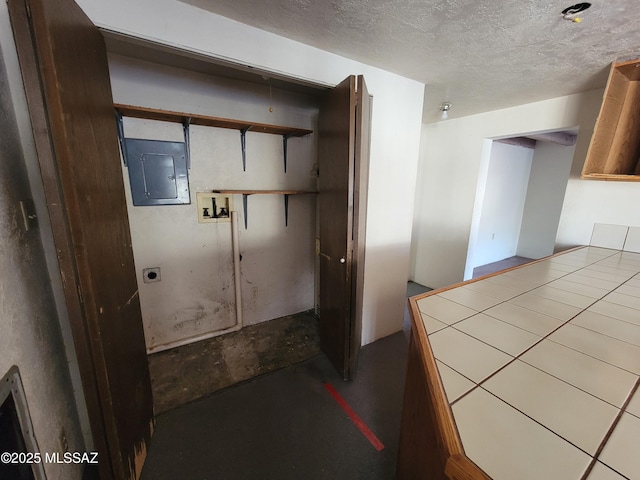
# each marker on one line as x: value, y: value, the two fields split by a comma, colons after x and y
x: 479, y: 55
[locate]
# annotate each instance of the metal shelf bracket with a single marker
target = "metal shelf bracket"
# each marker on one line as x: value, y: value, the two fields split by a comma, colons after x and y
x: 285, y: 139
x: 243, y: 143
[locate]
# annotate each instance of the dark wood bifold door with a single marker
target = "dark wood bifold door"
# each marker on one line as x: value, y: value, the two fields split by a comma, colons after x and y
x: 64, y: 67
x: 343, y: 159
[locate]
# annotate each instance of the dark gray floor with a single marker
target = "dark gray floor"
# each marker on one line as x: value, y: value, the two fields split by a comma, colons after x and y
x: 184, y: 374
x: 285, y: 425
x: 500, y: 265
x: 413, y: 289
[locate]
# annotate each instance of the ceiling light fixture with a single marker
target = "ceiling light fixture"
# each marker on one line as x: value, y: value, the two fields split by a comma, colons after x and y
x: 570, y: 13
x: 444, y: 107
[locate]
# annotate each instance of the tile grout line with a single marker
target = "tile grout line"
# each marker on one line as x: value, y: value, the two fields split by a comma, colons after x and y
x: 517, y: 357
x: 614, y: 424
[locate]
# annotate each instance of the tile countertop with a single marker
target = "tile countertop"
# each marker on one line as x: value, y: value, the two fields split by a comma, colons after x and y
x: 540, y: 365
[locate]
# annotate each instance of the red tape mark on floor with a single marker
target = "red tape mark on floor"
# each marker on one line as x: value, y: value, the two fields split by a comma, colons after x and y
x: 377, y: 444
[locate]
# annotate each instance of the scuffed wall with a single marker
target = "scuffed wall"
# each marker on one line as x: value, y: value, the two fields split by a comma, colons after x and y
x: 30, y: 335
x: 195, y: 296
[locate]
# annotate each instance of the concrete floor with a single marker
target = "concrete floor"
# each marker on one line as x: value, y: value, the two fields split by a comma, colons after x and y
x: 286, y: 425
x: 184, y: 374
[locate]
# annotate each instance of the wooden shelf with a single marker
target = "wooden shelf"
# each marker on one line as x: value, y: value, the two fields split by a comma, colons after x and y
x: 614, y: 152
x: 265, y: 192
x: 208, y: 121
x: 245, y: 195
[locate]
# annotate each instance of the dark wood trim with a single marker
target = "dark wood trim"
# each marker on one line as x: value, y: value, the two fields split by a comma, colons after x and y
x: 266, y: 192
x: 64, y: 67
x: 207, y: 121
x: 59, y: 225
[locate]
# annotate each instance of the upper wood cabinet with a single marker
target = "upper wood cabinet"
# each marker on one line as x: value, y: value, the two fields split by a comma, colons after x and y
x: 614, y: 152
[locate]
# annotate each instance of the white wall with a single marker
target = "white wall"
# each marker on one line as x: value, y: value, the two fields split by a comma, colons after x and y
x: 505, y: 190
x: 395, y: 135
x: 545, y: 196
x: 195, y: 296
x: 30, y: 332
x: 448, y: 175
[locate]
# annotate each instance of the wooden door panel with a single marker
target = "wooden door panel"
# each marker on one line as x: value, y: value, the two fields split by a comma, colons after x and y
x: 360, y: 196
x: 64, y: 65
x: 335, y: 149
x: 343, y: 153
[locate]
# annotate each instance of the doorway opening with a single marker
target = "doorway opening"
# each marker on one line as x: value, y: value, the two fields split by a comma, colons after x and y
x: 190, y: 307
x: 17, y: 439
x: 519, y: 199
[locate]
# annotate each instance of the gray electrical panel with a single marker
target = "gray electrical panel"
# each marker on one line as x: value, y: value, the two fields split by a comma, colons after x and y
x: 158, y: 172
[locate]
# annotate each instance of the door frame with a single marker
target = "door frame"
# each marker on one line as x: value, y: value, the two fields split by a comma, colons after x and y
x: 81, y: 284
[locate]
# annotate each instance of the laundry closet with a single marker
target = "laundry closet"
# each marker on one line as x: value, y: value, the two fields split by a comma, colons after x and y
x: 183, y: 249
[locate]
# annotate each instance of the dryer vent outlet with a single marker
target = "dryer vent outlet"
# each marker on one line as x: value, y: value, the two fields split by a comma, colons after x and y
x: 151, y: 275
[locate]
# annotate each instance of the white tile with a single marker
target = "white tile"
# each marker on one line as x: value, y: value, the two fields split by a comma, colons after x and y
x: 621, y: 451
x: 555, y: 309
x: 578, y: 277
x: 570, y: 261
x: 622, y: 299
x: 470, y: 357
x: 599, y: 252
x: 602, y: 472
x: 455, y: 384
x: 498, y: 334
x: 633, y: 282
x: 524, y: 318
x: 629, y: 289
x: 444, y: 310
x: 614, y: 267
x: 634, y: 405
x: 605, y: 381
x: 616, y: 310
x: 431, y: 324
x: 617, y: 277
x: 625, y: 331
x: 535, y: 273
x: 632, y: 243
x: 579, y: 288
x: 630, y: 257
x: 563, y: 296
x: 608, y: 236
x: 576, y: 416
x: 495, y: 290
x: 470, y: 298
x: 512, y: 282
x: 560, y: 266
x: 508, y: 446
x: 602, y: 347
x: 620, y: 263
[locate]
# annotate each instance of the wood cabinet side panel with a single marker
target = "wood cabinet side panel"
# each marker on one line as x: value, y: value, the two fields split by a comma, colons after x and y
x: 625, y: 147
x: 606, y: 124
